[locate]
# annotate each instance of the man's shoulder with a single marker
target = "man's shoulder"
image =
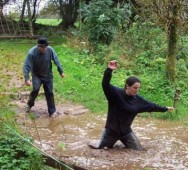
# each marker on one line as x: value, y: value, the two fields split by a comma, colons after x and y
x: 32, y: 50
x: 50, y: 48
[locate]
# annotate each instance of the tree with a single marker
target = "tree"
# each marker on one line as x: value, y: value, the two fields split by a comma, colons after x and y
x: 29, y: 16
x: 31, y: 7
x: 2, y: 3
x: 102, y: 20
x: 172, y: 41
x: 51, y: 10
x: 167, y: 14
x: 23, y: 10
x: 68, y: 12
x: 116, y: 3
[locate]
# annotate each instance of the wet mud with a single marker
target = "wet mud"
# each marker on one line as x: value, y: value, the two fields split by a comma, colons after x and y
x: 67, y: 137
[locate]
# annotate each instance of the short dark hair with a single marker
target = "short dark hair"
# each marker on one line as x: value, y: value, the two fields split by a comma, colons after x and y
x: 131, y: 80
x: 42, y: 41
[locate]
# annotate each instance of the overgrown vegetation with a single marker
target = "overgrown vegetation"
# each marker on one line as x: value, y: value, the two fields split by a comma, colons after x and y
x: 140, y: 51
x: 131, y: 33
x: 15, y: 153
x: 101, y: 24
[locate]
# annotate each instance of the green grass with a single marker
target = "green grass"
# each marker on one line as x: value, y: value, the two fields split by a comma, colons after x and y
x: 12, y: 54
x: 83, y: 76
x: 82, y: 82
x: 51, y: 22
x: 46, y: 21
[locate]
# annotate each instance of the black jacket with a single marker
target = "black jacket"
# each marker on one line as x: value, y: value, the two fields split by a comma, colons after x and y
x: 123, y: 108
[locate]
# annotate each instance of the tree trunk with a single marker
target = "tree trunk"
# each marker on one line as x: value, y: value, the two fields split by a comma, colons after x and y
x: 68, y: 11
x: 21, y: 21
x: 1, y: 8
x: 172, y: 45
x: 176, y: 97
x: 23, y: 11
x: 33, y: 18
x: 30, y: 20
x: 2, y: 3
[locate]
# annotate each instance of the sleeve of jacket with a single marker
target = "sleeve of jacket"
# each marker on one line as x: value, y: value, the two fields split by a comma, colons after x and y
x: 56, y: 61
x: 108, y: 89
x: 147, y: 106
x: 27, y: 67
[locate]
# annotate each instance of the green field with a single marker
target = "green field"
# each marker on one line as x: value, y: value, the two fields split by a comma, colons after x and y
x: 51, y: 22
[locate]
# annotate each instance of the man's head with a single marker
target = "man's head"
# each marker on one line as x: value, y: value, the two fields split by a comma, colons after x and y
x: 132, y: 86
x: 42, y: 44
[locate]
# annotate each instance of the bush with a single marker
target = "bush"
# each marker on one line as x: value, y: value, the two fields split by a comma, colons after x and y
x: 16, y: 154
x: 102, y: 20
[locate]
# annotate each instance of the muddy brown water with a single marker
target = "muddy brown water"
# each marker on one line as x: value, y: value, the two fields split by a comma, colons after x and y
x: 67, y: 136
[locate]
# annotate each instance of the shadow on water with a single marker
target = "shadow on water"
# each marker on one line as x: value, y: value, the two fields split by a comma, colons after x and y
x: 67, y: 139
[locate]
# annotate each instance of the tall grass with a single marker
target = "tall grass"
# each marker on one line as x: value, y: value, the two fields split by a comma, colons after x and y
x: 83, y: 72
x: 82, y: 83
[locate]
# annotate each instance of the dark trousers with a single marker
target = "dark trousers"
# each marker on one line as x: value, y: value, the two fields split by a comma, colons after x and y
x: 48, y: 90
x: 129, y: 140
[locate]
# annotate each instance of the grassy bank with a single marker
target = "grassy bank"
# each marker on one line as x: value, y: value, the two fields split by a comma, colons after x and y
x: 82, y: 83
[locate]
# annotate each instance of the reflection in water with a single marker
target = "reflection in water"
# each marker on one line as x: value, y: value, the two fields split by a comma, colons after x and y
x: 166, y: 143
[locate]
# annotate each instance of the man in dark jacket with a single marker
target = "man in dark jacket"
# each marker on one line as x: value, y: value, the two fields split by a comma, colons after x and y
x: 123, y: 106
x: 39, y: 63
